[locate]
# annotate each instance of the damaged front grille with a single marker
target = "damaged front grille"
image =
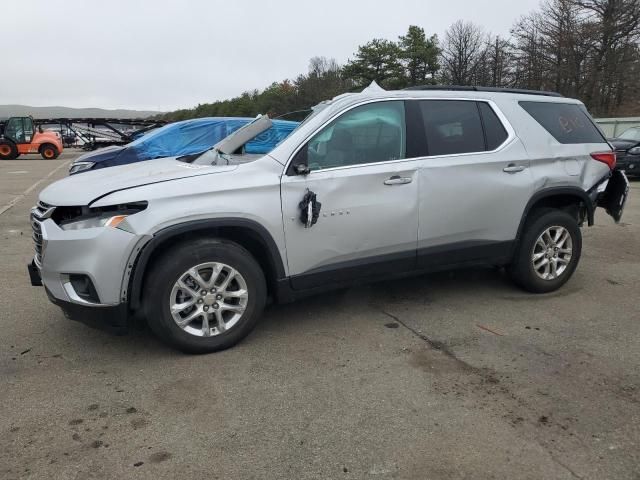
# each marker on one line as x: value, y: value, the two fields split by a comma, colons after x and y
x: 40, y: 212
x: 37, y: 239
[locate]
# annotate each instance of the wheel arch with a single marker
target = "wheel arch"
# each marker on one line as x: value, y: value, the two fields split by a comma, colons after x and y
x: 560, y: 198
x: 247, y: 233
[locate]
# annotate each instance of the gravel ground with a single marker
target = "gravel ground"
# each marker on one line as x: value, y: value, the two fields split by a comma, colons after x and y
x: 448, y: 376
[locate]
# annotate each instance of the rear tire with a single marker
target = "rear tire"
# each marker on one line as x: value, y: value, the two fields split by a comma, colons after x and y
x: 8, y: 150
x: 49, y: 152
x: 548, y: 251
x: 222, y: 311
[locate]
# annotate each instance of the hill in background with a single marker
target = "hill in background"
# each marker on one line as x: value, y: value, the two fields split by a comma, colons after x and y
x: 7, y: 111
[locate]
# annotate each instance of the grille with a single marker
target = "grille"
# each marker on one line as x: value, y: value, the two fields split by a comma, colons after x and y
x: 37, y: 238
x: 40, y: 212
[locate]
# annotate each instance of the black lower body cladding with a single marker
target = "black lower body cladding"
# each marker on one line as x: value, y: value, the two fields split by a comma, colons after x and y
x: 113, y: 319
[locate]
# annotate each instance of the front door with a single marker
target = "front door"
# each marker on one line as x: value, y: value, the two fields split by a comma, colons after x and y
x: 368, y: 220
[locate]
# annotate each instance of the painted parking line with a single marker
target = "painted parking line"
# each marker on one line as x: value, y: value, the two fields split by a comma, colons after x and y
x: 6, y: 207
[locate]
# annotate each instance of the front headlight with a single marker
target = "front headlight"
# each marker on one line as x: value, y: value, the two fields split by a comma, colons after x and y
x: 80, y: 167
x: 94, y: 222
x: 634, y: 151
x: 79, y: 218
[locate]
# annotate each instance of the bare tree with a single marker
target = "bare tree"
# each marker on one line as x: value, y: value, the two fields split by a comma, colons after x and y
x: 615, y: 27
x: 496, y: 66
x: 551, y: 48
x: 462, y: 53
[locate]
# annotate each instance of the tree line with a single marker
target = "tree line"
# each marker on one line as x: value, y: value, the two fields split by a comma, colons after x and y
x: 585, y: 49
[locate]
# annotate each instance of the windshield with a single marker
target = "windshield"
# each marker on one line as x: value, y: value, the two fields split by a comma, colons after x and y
x: 314, y: 111
x: 631, y: 134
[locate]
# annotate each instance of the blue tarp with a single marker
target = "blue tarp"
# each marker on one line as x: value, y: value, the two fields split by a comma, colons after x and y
x: 192, y: 136
x: 185, y: 138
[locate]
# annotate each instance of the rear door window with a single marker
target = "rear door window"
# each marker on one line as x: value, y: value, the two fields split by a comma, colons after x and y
x: 452, y: 127
x: 566, y: 122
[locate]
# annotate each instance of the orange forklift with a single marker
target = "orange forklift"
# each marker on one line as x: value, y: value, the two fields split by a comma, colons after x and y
x: 19, y: 136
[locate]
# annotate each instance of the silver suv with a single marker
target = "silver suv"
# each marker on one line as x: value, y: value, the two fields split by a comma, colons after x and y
x: 371, y: 185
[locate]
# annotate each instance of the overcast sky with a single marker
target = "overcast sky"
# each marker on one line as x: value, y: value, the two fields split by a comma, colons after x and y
x: 163, y: 55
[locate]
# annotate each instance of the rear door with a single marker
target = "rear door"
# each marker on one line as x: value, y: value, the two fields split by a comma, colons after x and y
x: 475, y: 182
x: 367, y: 188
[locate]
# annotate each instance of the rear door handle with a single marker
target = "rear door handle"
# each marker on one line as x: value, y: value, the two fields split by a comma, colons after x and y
x: 513, y: 168
x: 398, y: 180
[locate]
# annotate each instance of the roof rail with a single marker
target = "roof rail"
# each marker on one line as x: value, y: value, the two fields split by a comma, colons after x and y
x: 484, y: 89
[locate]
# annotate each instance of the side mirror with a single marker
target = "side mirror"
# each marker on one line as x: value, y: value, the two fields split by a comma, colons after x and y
x: 302, y: 169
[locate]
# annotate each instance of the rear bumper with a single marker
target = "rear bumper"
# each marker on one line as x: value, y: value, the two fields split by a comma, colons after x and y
x: 614, y: 197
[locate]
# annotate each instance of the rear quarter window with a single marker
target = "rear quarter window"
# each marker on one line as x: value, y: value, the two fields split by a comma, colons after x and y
x: 566, y: 122
x: 493, y: 129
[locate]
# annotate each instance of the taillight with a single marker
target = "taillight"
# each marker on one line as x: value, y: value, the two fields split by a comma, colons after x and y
x: 606, y: 157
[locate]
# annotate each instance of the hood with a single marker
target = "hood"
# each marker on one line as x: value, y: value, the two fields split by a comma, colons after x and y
x: 101, y: 154
x: 620, y: 144
x: 80, y: 190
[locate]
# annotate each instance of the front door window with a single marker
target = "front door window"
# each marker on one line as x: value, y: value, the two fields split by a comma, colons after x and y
x: 367, y: 134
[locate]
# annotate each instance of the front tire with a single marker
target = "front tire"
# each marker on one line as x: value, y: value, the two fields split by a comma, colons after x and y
x: 204, y: 295
x: 548, y: 252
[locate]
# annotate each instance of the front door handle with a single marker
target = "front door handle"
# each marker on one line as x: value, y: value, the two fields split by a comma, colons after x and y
x: 398, y: 180
x: 513, y: 168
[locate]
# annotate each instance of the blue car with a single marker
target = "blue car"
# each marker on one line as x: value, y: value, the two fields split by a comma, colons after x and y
x: 182, y: 138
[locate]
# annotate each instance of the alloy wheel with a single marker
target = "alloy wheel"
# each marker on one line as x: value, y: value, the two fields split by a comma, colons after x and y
x: 552, y: 253
x: 208, y: 299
